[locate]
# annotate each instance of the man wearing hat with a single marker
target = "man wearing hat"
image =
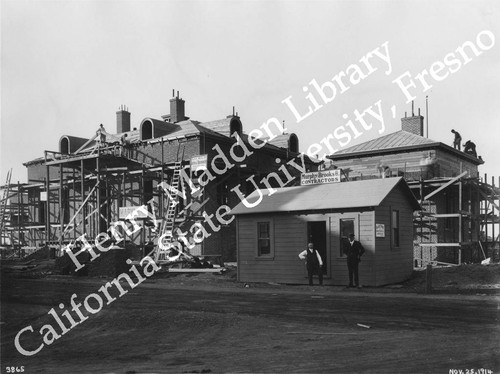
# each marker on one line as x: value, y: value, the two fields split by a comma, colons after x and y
x: 313, y: 262
x: 353, y: 250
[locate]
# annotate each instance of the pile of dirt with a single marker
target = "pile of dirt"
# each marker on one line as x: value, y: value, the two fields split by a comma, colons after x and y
x: 27, y: 269
x: 466, y: 276
x: 41, y: 254
x: 108, y: 264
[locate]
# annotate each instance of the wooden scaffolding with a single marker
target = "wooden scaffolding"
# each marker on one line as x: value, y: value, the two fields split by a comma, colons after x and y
x: 459, y: 222
x: 81, y: 194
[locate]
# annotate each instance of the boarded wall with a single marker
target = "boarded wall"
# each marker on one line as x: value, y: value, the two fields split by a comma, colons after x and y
x: 290, y: 238
x: 394, y: 263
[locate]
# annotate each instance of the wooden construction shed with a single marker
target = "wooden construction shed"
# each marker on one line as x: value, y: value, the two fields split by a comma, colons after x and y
x: 272, y: 233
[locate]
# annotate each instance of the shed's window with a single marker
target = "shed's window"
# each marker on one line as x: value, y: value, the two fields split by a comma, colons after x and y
x: 264, y: 238
x: 395, y: 228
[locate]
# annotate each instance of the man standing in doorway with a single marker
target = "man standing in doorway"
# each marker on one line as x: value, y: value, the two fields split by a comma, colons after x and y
x: 313, y: 263
x: 354, y: 250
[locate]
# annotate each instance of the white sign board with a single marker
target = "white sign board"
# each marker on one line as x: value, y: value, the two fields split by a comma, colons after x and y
x: 379, y: 230
x: 133, y: 212
x: 43, y: 196
x: 320, y: 177
x: 199, y: 162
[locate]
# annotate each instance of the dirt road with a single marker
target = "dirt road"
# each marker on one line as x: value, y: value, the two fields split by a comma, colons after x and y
x: 173, y: 328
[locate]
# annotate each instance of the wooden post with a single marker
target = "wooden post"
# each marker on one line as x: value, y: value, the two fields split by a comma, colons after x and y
x: 428, y: 279
x: 493, y: 211
x: 160, y: 192
x: 421, y: 221
x: 142, y: 237
x: 460, y: 206
x: 486, y: 217
x: 47, y: 208
x: 82, y: 199
x: 61, y: 210
x: 73, y: 200
x: 97, y: 227
x: 108, y: 201
x: 19, y: 202
x: 477, y: 204
x: 470, y: 210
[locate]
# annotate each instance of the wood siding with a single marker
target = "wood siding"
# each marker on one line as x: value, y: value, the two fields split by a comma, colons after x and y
x: 394, y: 264
x: 364, y: 232
x: 290, y: 238
x: 381, y: 264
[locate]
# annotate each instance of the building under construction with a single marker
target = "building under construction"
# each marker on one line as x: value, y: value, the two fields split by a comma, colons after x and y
x: 459, y: 221
x: 136, y: 184
x: 165, y: 178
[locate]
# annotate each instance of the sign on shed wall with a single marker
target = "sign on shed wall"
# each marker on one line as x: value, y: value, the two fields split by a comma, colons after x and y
x: 379, y: 230
x: 320, y: 177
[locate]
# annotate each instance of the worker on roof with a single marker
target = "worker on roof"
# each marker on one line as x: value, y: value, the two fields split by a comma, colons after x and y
x: 102, y: 134
x: 457, y: 140
x: 470, y: 148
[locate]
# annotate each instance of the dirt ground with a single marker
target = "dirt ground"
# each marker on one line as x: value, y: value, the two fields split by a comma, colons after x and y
x: 467, y: 277
x: 206, y: 323
x: 464, y: 277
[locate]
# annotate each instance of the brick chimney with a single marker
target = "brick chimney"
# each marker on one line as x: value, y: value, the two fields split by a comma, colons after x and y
x: 122, y: 120
x: 413, y: 124
x: 177, y: 113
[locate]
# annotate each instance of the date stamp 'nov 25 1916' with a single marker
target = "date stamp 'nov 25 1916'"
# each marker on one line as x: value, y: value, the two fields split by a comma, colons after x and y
x: 470, y: 371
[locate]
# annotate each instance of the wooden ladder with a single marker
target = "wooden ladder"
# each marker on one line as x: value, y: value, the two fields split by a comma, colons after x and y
x: 3, y: 203
x: 166, y: 231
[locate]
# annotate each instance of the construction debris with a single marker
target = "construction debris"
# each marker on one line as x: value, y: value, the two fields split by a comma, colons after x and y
x: 486, y: 262
x: 365, y: 326
x: 188, y: 270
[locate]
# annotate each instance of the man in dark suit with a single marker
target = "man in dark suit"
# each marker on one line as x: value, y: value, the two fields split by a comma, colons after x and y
x: 353, y: 250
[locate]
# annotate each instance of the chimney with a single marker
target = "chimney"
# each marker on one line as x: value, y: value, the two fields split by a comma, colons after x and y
x: 176, y: 108
x: 413, y: 124
x: 122, y: 120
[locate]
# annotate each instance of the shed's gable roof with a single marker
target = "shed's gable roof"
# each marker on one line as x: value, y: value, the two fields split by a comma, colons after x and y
x: 344, y: 195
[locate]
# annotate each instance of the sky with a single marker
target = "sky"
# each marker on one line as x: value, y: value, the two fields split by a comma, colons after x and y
x: 67, y: 66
